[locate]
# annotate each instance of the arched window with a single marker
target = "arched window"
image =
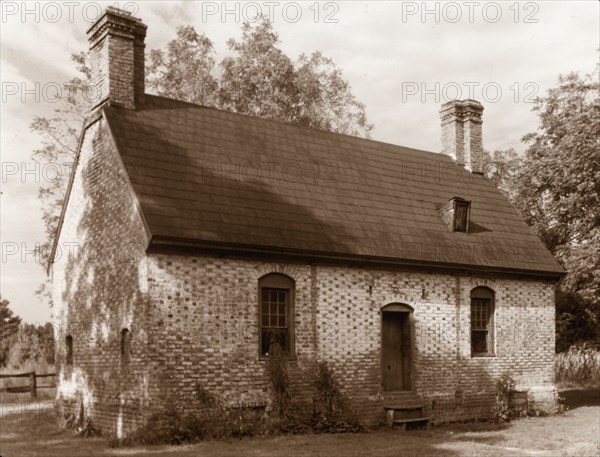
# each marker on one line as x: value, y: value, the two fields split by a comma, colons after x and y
x: 69, y: 347
x: 276, y: 313
x: 482, y: 321
x: 125, y: 345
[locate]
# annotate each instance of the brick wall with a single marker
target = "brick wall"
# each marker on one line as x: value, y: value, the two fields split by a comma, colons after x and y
x: 208, y: 326
x: 100, y: 287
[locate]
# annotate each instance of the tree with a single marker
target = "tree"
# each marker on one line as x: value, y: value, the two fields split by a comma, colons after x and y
x: 9, y: 326
x: 326, y: 101
x: 502, y: 168
x: 183, y: 70
x: 259, y: 79
x: 9, y: 322
x: 556, y: 187
x: 60, y: 134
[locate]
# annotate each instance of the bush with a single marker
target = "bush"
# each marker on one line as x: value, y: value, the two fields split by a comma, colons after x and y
x: 278, y: 377
x: 502, y: 410
x: 207, y: 417
x: 332, y: 411
x: 71, y: 416
x: 579, y: 365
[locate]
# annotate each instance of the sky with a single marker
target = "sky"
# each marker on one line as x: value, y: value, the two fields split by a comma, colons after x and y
x: 402, y: 60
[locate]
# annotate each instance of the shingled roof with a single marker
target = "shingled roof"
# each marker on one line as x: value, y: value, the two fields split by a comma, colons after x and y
x: 206, y: 177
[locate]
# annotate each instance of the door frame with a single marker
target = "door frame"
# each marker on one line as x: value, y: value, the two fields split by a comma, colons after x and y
x: 399, y: 308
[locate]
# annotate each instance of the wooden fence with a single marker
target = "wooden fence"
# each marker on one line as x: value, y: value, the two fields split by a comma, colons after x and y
x: 32, y: 387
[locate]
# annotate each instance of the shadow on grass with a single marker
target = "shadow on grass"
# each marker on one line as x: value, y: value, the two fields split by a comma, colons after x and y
x: 575, y: 398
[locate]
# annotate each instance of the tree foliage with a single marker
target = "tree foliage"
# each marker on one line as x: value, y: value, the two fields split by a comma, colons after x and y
x: 9, y: 322
x: 258, y: 79
x: 59, y: 138
x: 24, y: 345
x: 183, y: 69
x: 556, y: 187
x: 9, y: 326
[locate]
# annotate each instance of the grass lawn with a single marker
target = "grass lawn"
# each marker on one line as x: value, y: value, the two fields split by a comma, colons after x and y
x: 575, y: 433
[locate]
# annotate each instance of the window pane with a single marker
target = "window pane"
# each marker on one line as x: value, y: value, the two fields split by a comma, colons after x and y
x: 460, y: 217
x: 479, y: 341
x: 264, y: 342
x: 274, y: 318
x: 480, y: 314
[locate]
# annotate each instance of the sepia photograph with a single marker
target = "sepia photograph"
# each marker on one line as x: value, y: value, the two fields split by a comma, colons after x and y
x: 301, y: 228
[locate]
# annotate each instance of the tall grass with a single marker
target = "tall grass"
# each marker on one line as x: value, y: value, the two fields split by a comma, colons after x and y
x: 579, y: 366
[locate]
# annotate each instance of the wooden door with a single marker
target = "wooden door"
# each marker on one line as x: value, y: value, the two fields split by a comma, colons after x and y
x: 396, y: 351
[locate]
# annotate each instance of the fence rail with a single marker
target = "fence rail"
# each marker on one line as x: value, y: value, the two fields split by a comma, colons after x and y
x: 32, y: 387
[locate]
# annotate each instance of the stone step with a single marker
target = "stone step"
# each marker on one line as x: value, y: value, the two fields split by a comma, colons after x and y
x: 391, y: 420
x: 406, y: 421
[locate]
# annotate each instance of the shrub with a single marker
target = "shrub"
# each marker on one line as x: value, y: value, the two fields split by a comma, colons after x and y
x: 278, y: 377
x: 205, y: 418
x: 505, y: 388
x: 332, y: 411
x: 579, y: 365
x: 71, y: 416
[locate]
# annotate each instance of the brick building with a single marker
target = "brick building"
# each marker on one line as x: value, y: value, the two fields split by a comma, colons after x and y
x: 200, y: 235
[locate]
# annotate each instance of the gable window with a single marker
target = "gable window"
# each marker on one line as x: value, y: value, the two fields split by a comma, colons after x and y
x: 482, y: 321
x: 276, y: 313
x: 69, y: 347
x: 125, y: 345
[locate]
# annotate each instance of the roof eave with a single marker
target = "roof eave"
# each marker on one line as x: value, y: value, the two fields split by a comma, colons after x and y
x: 165, y: 244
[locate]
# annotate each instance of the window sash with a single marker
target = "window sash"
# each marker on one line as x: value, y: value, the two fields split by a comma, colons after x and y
x: 481, y: 325
x: 274, y: 318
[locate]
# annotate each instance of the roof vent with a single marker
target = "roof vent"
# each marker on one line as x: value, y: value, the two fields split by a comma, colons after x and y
x: 456, y: 214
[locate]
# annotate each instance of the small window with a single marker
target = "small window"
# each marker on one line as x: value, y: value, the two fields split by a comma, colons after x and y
x: 69, y: 348
x: 456, y: 214
x: 461, y: 215
x: 482, y: 321
x: 276, y: 313
x: 125, y: 345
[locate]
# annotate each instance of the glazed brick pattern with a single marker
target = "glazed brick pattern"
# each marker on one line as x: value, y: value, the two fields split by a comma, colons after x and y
x: 209, y: 305
x: 100, y: 287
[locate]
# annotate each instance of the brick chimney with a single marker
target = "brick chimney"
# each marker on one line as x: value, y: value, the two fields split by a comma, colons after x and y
x: 461, y: 133
x: 117, y: 58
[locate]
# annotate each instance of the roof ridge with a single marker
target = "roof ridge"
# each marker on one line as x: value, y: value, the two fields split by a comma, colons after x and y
x: 301, y: 127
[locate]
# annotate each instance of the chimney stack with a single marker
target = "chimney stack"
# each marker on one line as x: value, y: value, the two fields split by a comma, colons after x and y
x: 117, y: 58
x: 461, y: 133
